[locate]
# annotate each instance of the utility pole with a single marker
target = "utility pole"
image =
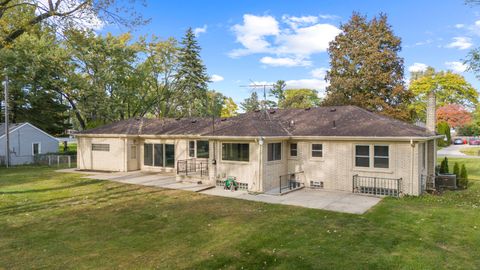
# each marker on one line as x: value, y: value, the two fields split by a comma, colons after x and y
x: 7, y: 133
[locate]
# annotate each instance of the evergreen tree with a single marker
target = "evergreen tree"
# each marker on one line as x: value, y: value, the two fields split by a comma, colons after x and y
x: 251, y: 104
x: 463, y: 177
x: 192, y: 78
x: 278, y: 91
x: 444, y: 129
x: 456, y: 169
x: 365, y: 69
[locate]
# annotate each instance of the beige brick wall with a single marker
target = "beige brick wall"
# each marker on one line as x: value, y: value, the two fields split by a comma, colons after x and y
x: 113, y: 160
x: 245, y: 172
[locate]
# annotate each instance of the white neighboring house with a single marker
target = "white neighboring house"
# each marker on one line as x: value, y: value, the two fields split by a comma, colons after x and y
x: 26, y: 141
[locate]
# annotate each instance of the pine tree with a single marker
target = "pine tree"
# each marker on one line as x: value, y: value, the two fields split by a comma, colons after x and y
x: 192, y: 78
x: 456, y: 170
x: 278, y: 91
x: 463, y: 177
x: 365, y: 68
x: 251, y: 104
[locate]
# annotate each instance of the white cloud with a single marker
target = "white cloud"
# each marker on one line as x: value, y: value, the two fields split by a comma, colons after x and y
x: 461, y: 43
x: 308, y: 40
x: 417, y: 67
x: 298, y: 38
x: 315, y: 84
x: 319, y: 73
x: 200, y: 30
x: 216, y: 78
x: 284, y: 62
x: 459, y: 25
x: 252, y: 33
x: 456, y: 66
x: 295, y: 22
x: 328, y: 16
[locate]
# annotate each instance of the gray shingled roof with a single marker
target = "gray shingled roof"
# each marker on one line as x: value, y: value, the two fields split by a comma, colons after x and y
x: 10, y: 127
x: 321, y: 121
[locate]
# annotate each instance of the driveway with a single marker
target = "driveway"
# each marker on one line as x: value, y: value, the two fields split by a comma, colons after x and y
x: 454, y: 151
x: 337, y: 201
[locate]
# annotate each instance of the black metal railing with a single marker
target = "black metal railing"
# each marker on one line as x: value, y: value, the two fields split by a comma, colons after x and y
x: 192, y: 166
x: 377, y: 186
x: 289, y: 182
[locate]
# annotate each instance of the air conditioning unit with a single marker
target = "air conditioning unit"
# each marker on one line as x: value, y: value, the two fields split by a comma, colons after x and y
x: 316, y: 184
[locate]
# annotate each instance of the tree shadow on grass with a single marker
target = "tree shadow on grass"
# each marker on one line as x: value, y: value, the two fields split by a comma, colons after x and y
x: 91, y: 198
x: 80, y: 184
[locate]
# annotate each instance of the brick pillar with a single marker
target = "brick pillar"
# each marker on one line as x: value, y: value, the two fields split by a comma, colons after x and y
x: 431, y: 111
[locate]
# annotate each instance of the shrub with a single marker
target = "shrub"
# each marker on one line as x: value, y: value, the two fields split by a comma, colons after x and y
x: 463, y: 181
x: 444, y: 129
x: 456, y: 170
x: 469, y: 130
x: 444, y: 166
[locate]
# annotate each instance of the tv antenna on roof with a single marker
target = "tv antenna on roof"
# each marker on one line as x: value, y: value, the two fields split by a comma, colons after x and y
x: 256, y: 86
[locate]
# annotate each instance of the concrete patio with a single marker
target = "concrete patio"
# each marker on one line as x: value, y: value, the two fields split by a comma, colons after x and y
x: 161, y: 180
x: 331, y: 200
x: 338, y: 201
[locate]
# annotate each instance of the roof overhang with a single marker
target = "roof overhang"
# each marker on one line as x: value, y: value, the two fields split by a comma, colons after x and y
x: 325, y: 138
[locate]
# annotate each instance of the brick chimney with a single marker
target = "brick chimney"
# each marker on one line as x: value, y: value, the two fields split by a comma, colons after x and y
x: 431, y: 111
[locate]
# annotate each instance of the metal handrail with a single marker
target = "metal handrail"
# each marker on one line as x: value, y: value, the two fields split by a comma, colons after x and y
x: 377, y: 185
x: 187, y: 166
x: 289, y: 181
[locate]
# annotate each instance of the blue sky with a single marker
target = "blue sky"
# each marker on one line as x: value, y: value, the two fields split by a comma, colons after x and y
x: 264, y: 41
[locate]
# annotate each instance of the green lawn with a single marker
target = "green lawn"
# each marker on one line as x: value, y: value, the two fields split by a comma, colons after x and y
x: 58, y: 221
x: 471, y: 151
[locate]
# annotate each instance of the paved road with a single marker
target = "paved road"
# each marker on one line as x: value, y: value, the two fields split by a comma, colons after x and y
x: 454, y: 151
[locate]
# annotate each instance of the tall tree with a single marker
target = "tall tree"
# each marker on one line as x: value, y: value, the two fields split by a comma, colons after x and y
x: 20, y: 16
x: 450, y: 88
x: 251, y: 103
x: 229, y: 108
x: 192, y: 78
x: 30, y: 64
x: 301, y: 98
x: 278, y: 92
x: 365, y: 69
x: 455, y: 115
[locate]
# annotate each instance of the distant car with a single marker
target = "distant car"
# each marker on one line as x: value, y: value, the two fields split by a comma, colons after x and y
x: 474, y: 141
x: 458, y: 141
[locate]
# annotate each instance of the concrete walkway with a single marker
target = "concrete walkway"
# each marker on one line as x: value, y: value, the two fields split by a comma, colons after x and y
x: 337, y: 201
x: 454, y: 151
x: 161, y: 180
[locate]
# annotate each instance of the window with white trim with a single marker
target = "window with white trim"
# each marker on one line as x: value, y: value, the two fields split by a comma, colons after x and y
x: 100, y: 147
x: 274, y: 151
x: 381, y: 156
x: 202, y: 149
x: 362, y: 156
x: 317, y: 150
x: 35, y: 148
x: 293, y: 149
x: 191, y: 149
x: 236, y: 151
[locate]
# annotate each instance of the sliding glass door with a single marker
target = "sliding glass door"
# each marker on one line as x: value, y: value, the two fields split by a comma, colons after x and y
x: 159, y: 155
x: 169, y: 155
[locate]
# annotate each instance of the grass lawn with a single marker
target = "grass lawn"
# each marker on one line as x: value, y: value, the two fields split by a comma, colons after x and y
x: 471, y: 151
x: 58, y: 221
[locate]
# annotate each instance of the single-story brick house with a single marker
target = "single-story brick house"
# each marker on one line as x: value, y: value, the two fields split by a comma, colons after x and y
x: 340, y: 148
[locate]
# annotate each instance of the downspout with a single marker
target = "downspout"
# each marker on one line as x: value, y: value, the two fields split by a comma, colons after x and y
x: 260, y: 165
x: 412, y: 156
